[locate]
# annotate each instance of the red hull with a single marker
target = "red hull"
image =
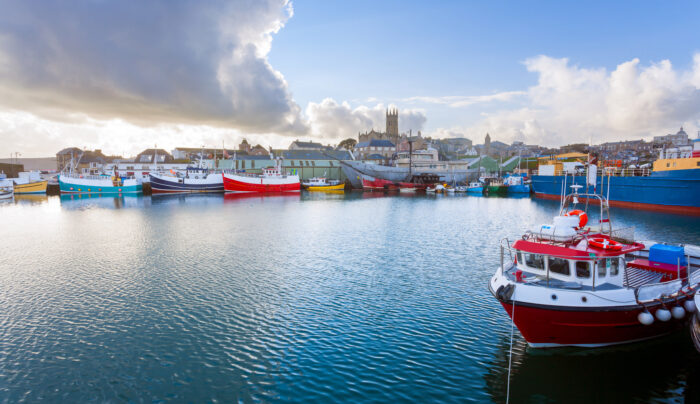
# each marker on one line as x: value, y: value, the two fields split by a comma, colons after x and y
x: 378, y: 184
x: 683, y: 210
x: 231, y: 185
x: 549, y: 327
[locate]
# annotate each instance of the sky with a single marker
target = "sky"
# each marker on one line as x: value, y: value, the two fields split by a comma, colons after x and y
x: 126, y: 75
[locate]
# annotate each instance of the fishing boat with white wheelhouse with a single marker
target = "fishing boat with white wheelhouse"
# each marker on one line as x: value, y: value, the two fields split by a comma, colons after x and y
x: 475, y: 187
x: 271, y: 180
x: 569, y: 284
x: 192, y: 179
x: 98, y: 184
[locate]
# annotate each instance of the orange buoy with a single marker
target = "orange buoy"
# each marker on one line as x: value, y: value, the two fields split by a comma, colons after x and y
x: 605, y: 244
x: 582, y: 217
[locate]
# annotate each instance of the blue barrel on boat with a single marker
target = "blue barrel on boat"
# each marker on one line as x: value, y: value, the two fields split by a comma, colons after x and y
x: 667, y: 254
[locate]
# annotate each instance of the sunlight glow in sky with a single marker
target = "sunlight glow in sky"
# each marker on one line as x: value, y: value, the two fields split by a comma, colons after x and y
x: 126, y: 75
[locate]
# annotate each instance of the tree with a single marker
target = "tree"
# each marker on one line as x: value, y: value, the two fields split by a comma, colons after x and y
x: 348, y: 143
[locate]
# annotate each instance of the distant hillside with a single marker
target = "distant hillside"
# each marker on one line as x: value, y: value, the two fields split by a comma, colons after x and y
x: 39, y: 163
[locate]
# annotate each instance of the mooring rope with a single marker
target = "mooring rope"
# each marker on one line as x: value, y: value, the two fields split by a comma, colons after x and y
x: 510, y: 356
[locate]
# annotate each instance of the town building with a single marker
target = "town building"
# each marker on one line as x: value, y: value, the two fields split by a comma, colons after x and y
x: 150, y: 156
x: 680, y: 138
x: 382, y: 147
x: 85, y: 161
x: 298, y: 145
x: 180, y: 154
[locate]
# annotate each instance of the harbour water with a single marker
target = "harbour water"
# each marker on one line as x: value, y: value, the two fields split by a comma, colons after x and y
x: 314, y: 298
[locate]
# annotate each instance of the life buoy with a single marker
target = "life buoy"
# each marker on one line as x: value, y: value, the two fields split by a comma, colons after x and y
x: 605, y: 244
x: 582, y: 217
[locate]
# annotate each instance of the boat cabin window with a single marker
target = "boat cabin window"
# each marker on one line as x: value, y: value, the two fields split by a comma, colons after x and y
x: 611, y: 265
x: 520, y: 258
x: 583, y: 269
x: 559, y: 266
x: 535, y: 261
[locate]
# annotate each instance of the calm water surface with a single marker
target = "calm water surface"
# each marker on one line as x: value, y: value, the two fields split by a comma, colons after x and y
x: 311, y: 298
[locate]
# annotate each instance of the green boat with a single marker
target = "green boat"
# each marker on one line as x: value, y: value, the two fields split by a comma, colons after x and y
x: 496, y: 186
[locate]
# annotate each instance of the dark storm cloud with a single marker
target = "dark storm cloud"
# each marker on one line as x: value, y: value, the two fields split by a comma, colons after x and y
x: 147, y: 62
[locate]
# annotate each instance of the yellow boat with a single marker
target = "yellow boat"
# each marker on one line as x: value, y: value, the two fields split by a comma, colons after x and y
x: 339, y: 187
x: 37, y: 187
x: 322, y: 185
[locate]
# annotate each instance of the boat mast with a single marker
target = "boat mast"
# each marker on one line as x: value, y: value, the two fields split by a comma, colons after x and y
x: 410, y: 157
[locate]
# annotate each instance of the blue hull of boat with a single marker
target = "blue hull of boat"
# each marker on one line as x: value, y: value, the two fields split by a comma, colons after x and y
x: 672, y: 191
x: 519, y: 189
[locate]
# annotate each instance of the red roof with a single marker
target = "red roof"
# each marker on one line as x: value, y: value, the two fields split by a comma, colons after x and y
x: 578, y: 251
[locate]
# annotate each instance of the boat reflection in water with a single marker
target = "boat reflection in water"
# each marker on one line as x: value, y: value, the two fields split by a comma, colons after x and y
x: 624, y: 373
x: 30, y: 199
x: 92, y: 201
x: 191, y: 198
x: 267, y: 196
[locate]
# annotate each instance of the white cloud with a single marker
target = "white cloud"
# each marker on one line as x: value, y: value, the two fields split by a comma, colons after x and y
x: 331, y: 120
x: 571, y: 104
x: 466, y: 101
x: 34, y: 136
x: 152, y: 62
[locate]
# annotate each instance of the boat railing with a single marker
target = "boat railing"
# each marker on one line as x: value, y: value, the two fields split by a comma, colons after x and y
x: 97, y: 177
x: 649, y: 292
x: 623, y: 234
x: 253, y: 175
x: 607, y: 171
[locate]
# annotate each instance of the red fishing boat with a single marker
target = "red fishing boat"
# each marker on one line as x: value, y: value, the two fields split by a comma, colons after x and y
x: 271, y: 180
x: 567, y: 283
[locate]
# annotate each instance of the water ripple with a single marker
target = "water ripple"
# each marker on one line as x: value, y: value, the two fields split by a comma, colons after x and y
x: 311, y: 299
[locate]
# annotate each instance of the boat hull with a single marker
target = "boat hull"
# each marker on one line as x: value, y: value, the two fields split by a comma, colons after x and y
x: 38, y: 187
x: 325, y: 188
x: 355, y: 169
x: 496, y: 190
x: 97, y: 186
x: 161, y: 184
x: 544, y: 326
x: 675, y: 191
x: 241, y: 183
x: 519, y: 189
x: 378, y: 184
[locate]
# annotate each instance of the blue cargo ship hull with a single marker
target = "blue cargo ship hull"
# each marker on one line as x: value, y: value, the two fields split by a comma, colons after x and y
x: 676, y: 191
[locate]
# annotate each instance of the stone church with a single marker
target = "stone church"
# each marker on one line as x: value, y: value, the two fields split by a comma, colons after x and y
x: 392, y: 129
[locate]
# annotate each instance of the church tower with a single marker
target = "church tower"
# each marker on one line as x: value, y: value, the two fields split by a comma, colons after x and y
x: 487, y: 144
x: 392, y: 125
